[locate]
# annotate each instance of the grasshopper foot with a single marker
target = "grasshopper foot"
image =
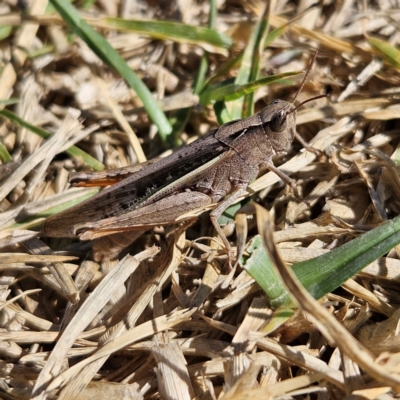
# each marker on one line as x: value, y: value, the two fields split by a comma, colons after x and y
x: 317, y: 152
x: 231, y: 258
x: 293, y: 186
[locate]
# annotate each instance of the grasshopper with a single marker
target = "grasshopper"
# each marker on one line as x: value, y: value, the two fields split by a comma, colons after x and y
x: 221, y: 163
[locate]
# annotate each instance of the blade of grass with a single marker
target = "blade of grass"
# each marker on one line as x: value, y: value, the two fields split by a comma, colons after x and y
x: 389, y: 52
x: 5, y: 32
x: 327, y: 324
x: 210, y: 39
x: 4, y: 154
x: 321, y: 275
x: 100, y: 46
x: 250, y: 67
x: 262, y: 269
x: 182, y: 116
x: 36, y: 220
x: 233, y: 62
x: 255, y: 65
x: 234, y: 91
x: 7, y: 102
x: 221, y: 112
x: 72, y: 151
x: 42, y: 208
x: 334, y: 268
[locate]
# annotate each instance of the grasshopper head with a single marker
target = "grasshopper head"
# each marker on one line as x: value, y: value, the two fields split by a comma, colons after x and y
x: 279, y: 122
x: 279, y: 118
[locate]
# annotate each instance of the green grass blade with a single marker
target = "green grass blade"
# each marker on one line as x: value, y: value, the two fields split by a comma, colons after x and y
x: 72, y: 151
x: 212, y: 17
x: 111, y: 57
x: 234, y: 91
x: 210, y: 39
x: 4, y: 154
x: 181, y: 117
x: 250, y: 67
x: 233, y: 62
x: 41, y: 51
x: 228, y: 216
x: 224, y: 69
x: 275, y: 33
x: 321, y: 275
x: 262, y: 269
x: 388, y: 51
x: 255, y: 65
x: 68, y: 204
x: 222, y: 112
x: 5, y: 32
x: 325, y: 273
x: 8, y: 102
x: 36, y: 220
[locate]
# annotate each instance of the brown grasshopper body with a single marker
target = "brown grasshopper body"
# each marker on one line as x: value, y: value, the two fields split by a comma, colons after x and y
x: 221, y: 163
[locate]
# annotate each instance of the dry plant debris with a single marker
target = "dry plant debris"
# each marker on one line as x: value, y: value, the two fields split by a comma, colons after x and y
x: 165, y: 318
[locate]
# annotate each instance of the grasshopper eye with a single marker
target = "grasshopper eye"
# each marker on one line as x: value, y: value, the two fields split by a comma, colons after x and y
x: 275, y: 102
x: 278, y: 121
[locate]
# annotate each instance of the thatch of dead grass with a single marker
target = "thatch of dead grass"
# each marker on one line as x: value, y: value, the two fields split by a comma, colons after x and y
x: 165, y: 317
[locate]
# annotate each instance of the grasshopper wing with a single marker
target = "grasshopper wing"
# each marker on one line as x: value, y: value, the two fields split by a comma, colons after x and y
x: 132, y: 192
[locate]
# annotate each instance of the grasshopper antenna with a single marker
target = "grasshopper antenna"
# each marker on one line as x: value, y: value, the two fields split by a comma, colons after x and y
x: 299, y: 138
x: 302, y: 85
x: 305, y: 77
x: 320, y: 96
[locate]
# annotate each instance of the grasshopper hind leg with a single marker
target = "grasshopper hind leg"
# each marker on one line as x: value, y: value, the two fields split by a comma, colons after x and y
x: 108, y: 247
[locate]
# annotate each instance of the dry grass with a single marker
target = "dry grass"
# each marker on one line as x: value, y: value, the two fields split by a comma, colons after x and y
x: 165, y: 321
